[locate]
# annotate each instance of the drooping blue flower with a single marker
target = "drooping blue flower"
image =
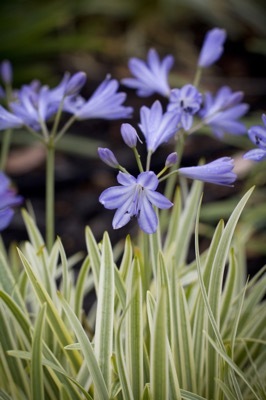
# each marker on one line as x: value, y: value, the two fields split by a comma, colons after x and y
x: 218, y: 172
x: 135, y: 198
x: 212, y: 48
x: 8, y: 200
x: 157, y: 127
x: 185, y: 102
x: 106, y: 103
x: 221, y: 112
x: 150, y: 77
x: 257, y: 135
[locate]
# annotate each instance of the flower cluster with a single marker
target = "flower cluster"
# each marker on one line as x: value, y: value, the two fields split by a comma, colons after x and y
x: 35, y: 105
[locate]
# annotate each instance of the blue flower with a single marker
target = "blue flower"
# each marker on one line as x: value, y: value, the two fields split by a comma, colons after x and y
x: 257, y: 135
x: 212, y: 48
x: 185, y: 102
x: 8, y: 199
x: 218, y: 172
x: 9, y: 120
x: 6, y: 72
x: 108, y: 157
x: 222, y: 112
x: 106, y: 103
x: 150, y: 77
x: 135, y: 198
x: 156, y: 126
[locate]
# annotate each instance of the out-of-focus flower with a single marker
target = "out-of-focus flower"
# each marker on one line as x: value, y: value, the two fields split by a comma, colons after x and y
x: 150, y: 77
x: 9, y: 120
x: 108, y: 157
x: 222, y: 112
x: 135, y: 198
x: 185, y: 102
x: 257, y: 135
x: 156, y: 126
x: 218, y: 172
x: 6, y: 72
x: 8, y: 200
x: 75, y: 83
x: 212, y: 48
x: 106, y: 103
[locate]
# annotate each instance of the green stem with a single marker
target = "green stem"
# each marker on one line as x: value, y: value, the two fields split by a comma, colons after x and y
x: 65, y: 128
x: 148, y: 162
x: 197, y: 77
x: 50, y: 162
x: 137, y: 156
x: 5, y: 149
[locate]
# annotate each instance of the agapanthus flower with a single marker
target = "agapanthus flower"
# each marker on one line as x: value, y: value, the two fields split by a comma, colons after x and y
x: 135, y: 198
x: 157, y: 127
x: 129, y: 135
x: 221, y: 112
x: 218, y: 172
x: 185, y: 102
x: 8, y: 200
x: 212, y: 48
x: 106, y: 103
x: 257, y: 135
x: 108, y: 157
x: 150, y: 77
x: 6, y: 72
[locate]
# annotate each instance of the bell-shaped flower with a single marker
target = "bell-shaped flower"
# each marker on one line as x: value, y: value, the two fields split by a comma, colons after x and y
x: 157, y: 127
x: 257, y: 135
x: 106, y: 103
x: 221, y: 112
x: 212, y: 48
x: 135, y: 198
x: 185, y: 102
x: 218, y: 172
x: 8, y: 200
x: 150, y: 77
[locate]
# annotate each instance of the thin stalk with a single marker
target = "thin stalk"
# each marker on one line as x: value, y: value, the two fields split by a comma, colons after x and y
x: 65, y: 128
x: 5, y: 149
x: 50, y: 162
x: 197, y: 77
x: 148, y: 162
x: 137, y: 156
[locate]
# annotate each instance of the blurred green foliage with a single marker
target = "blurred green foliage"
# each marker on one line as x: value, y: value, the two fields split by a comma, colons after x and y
x: 36, y: 33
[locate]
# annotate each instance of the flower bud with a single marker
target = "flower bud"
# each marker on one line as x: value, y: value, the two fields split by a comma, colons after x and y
x: 171, y: 159
x: 108, y: 157
x: 75, y: 83
x: 6, y: 72
x: 212, y: 48
x: 129, y: 135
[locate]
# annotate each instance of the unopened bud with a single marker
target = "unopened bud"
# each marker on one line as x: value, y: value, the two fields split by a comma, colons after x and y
x: 129, y: 135
x: 75, y: 83
x: 108, y: 157
x: 171, y: 159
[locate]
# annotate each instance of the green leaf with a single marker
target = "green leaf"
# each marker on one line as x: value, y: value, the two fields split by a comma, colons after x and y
x: 80, y: 285
x: 37, y: 387
x: 159, y: 360
x: 105, y: 312
x: 88, y: 352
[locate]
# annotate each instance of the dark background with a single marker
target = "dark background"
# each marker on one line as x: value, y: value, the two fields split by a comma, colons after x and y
x: 43, y: 39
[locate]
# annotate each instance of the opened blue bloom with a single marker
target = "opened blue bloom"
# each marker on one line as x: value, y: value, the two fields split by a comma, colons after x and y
x: 106, y: 103
x: 212, y: 48
x: 222, y: 112
x: 150, y: 77
x: 185, y: 102
x: 135, y: 198
x: 257, y: 135
x: 218, y: 172
x: 8, y: 200
x: 157, y: 127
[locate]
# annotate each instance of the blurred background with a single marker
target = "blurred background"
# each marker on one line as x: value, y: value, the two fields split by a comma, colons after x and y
x: 45, y: 38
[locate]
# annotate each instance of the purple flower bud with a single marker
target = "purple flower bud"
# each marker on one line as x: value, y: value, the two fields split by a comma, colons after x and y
x: 75, y: 83
x: 6, y: 72
x: 129, y: 135
x: 108, y: 157
x: 212, y: 48
x: 171, y: 159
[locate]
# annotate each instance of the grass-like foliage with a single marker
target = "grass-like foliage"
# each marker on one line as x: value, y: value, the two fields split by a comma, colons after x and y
x: 159, y: 328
